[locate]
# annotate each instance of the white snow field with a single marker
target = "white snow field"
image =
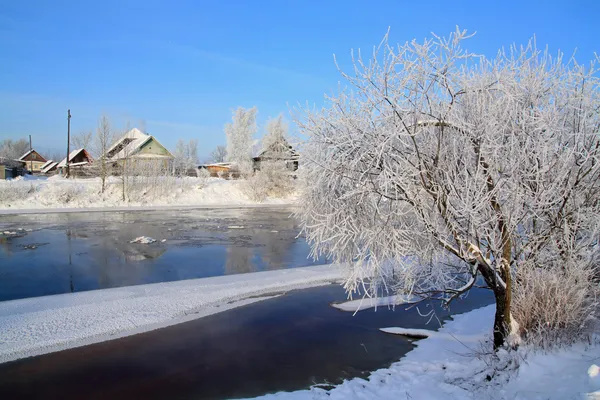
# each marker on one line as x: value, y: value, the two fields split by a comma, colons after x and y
x: 50, y: 323
x: 59, y: 194
x: 445, y: 366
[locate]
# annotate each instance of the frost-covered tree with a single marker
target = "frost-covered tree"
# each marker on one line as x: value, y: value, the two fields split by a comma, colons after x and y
x: 239, y: 135
x: 218, y: 154
x: 439, y: 167
x: 82, y: 140
x: 275, y: 139
x: 186, y: 156
x: 13, y: 149
x: 102, y: 142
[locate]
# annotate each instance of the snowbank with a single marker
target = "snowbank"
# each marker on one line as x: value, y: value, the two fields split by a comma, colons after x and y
x: 58, y: 193
x: 45, y: 324
x: 443, y: 366
x: 370, y: 302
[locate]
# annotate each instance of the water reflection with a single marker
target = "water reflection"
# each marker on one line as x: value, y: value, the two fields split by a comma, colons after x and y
x: 85, y: 251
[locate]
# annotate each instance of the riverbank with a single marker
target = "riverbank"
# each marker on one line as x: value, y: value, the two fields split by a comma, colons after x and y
x: 57, y: 194
x: 457, y: 363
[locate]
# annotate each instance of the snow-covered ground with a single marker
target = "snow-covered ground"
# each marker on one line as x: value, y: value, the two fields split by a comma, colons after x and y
x: 77, y: 194
x: 45, y: 324
x: 446, y: 366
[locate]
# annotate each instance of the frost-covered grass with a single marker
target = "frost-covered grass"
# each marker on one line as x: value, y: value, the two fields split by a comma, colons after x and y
x: 457, y: 363
x: 57, y: 192
x: 50, y: 323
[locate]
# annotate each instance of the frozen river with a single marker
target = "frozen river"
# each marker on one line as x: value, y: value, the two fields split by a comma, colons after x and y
x: 286, y: 343
x: 44, y: 254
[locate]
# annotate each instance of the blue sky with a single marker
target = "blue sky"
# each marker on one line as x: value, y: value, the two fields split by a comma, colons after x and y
x: 181, y: 67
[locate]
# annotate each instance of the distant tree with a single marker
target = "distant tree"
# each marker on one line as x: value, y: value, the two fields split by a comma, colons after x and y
x: 82, y: 140
x: 276, y: 135
x: 186, y: 156
x: 103, y: 140
x: 218, y: 154
x: 440, y: 169
x: 239, y: 135
x: 13, y: 149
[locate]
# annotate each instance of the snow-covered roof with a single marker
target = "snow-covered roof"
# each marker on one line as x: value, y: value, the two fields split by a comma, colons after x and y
x: 279, y: 150
x: 130, y: 144
x: 46, y: 164
x: 72, y: 155
x: 49, y: 166
x: 219, y: 164
x: 25, y: 155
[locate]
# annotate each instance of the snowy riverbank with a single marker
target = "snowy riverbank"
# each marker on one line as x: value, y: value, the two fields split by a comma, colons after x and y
x: 450, y: 364
x: 51, y: 323
x: 56, y: 193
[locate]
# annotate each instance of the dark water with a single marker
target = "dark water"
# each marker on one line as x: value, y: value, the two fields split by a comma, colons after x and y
x: 282, y: 344
x: 71, y: 252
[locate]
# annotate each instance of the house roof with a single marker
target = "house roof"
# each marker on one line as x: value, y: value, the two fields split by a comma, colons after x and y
x: 278, y: 150
x: 74, y: 154
x: 22, y: 158
x: 47, y: 163
x: 49, y: 166
x: 219, y: 164
x: 131, y: 143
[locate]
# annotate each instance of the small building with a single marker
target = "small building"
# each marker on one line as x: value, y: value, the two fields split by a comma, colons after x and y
x: 222, y: 169
x: 79, y: 161
x: 141, y: 149
x: 33, y: 161
x: 10, y: 169
x: 49, y: 167
x: 280, y: 151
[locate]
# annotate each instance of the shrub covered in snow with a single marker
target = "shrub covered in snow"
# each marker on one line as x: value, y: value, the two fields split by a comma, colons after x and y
x: 556, y: 305
x: 13, y: 191
x: 63, y: 193
x: 273, y: 180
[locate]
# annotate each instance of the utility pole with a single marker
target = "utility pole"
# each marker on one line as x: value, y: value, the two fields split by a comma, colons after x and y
x: 68, y: 140
x: 30, y: 155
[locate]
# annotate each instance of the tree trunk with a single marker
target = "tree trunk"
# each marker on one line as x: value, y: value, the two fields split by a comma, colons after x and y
x: 502, y: 295
x: 502, y: 318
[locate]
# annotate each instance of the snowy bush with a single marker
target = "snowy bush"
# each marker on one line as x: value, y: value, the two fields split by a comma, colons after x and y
x: 273, y: 180
x: 13, y: 191
x: 556, y: 305
x: 63, y: 193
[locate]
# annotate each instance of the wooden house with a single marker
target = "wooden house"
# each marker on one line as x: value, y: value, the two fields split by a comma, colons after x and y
x: 79, y: 162
x: 33, y: 161
x: 217, y: 169
x: 280, y: 151
x: 140, y: 149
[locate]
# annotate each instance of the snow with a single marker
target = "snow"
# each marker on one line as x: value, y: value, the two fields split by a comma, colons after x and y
x: 370, y: 302
x: 143, y: 240
x: 58, y: 193
x: 50, y: 323
x: 445, y: 366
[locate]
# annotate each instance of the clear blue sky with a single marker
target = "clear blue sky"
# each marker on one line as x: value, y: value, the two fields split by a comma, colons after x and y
x: 182, y: 66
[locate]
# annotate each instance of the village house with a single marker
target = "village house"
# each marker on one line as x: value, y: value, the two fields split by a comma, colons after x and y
x: 49, y: 167
x: 79, y: 161
x: 33, y: 161
x: 280, y: 151
x: 217, y: 169
x: 139, y: 149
